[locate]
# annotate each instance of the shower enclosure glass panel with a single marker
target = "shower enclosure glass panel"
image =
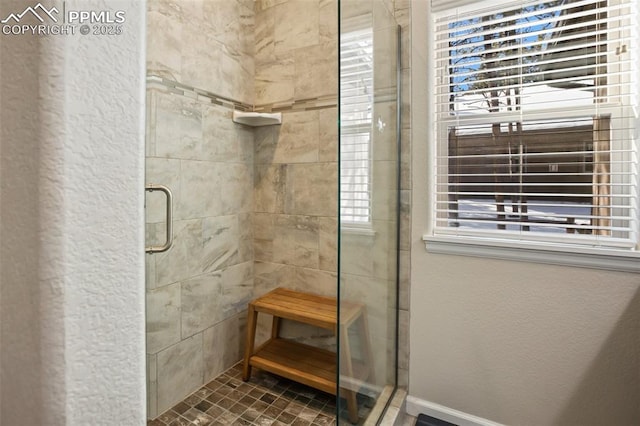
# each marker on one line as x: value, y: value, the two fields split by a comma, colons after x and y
x: 369, y: 208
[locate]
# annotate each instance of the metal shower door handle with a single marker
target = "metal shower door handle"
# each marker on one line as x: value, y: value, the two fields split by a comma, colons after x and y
x: 169, y: 231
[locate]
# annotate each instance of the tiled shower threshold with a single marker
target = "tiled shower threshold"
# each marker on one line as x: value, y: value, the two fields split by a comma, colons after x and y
x: 265, y: 400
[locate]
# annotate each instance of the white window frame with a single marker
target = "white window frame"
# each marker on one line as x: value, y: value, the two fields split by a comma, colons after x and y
x: 544, y: 250
x: 361, y: 127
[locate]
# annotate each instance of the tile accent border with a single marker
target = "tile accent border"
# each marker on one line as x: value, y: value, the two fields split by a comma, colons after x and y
x: 154, y: 81
x: 172, y: 86
x: 299, y: 105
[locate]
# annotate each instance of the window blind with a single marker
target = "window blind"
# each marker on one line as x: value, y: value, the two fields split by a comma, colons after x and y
x: 535, y: 121
x: 356, y: 91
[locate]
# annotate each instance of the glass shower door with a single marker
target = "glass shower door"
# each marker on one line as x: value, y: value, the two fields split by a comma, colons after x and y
x: 369, y: 209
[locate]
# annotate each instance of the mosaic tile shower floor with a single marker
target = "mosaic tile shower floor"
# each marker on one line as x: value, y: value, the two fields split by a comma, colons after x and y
x: 265, y: 400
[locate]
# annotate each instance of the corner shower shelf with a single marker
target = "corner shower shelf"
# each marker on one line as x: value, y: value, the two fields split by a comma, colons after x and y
x: 255, y: 119
x: 306, y: 364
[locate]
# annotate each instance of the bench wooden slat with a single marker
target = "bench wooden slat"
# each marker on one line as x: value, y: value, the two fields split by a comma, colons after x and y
x: 305, y: 364
x: 319, y: 311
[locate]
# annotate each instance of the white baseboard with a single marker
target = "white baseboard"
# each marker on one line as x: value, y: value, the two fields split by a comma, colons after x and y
x: 417, y: 406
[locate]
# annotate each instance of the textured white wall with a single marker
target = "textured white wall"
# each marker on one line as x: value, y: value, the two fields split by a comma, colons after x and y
x: 72, y: 289
x: 516, y: 343
x: 31, y: 261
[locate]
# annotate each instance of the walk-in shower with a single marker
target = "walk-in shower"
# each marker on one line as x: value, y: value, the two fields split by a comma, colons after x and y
x: 309, y: 204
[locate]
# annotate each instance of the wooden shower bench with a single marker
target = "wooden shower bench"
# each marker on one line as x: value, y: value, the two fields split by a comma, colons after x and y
x: 306, y: 364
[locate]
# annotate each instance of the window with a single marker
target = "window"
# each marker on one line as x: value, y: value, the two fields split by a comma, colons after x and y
x: 356, y: 102
x: 535, y: 122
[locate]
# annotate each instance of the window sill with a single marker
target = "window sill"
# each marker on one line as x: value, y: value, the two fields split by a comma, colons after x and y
x: 582, y: 257
x: 364, y: 231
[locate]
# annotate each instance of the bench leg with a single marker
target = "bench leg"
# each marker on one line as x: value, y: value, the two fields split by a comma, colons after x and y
x: 366, y: 345
x: 347, y: 370
x: 352, y: 405
x: 275, y: 327
x: 252, y: 318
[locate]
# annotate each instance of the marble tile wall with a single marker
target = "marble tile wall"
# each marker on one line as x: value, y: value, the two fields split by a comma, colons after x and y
x: 296, y: 164
x: 197, y: 291
x: 295, y: 210
x: 296, y: 50
x: 209, y: 45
